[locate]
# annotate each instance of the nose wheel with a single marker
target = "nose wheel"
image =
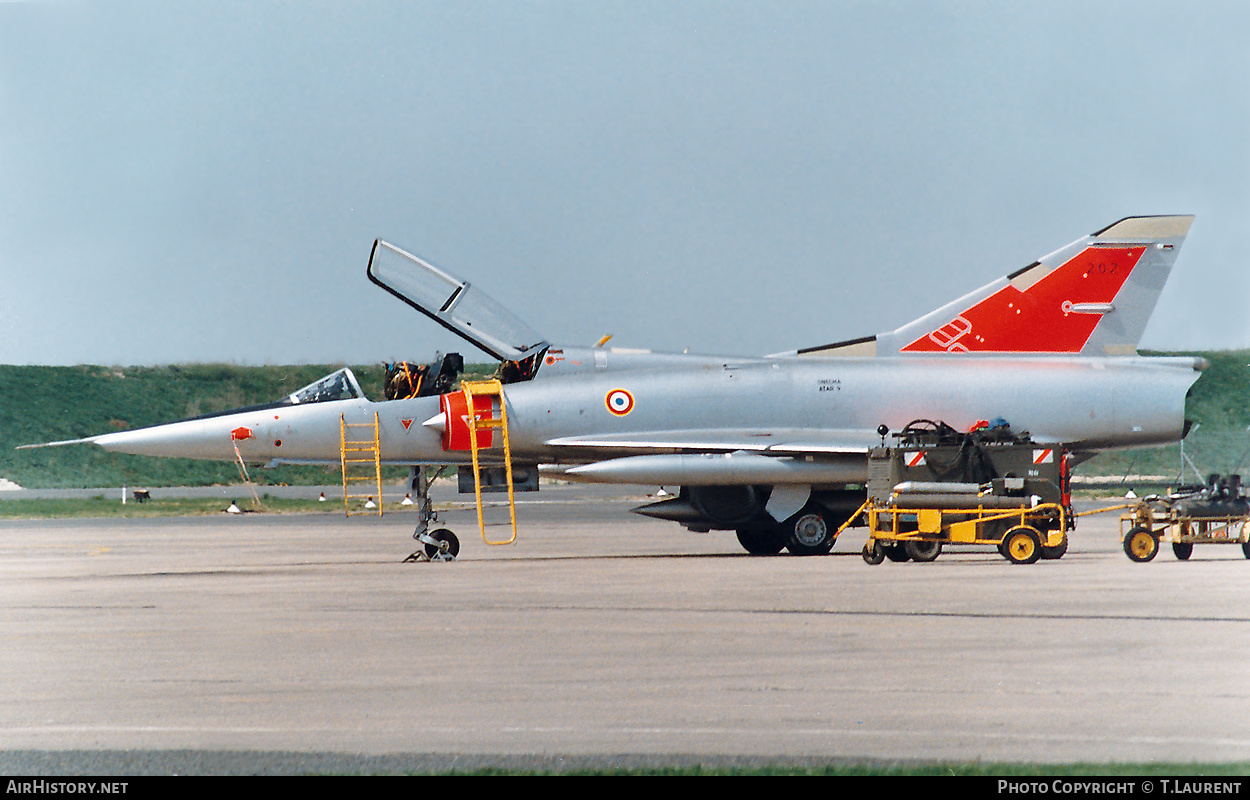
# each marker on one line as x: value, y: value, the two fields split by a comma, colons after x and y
x: 440, y: 545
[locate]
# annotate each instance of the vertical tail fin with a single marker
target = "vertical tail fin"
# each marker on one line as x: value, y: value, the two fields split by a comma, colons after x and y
x: 1091, y: 298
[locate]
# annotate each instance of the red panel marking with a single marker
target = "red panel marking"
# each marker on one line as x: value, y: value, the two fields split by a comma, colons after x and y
x: 407, y: 423
x: 1034, y: 321
x: 240, y: 433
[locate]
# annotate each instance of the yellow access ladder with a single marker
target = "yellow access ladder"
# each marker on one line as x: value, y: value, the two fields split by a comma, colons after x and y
x: 493, y: 389
x: 361, y: 458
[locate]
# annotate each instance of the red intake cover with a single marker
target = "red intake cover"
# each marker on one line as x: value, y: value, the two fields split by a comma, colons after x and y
x: 456, y: 431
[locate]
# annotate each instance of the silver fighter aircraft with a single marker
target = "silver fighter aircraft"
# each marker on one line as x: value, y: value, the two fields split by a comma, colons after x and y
x: 774, y: 447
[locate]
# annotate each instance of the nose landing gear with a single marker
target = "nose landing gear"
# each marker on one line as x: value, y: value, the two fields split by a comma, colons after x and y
x: 439, y: 544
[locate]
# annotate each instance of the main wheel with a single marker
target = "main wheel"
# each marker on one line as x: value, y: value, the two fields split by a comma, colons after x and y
x: 448, y: 544
x: 1022, y: 546
x: 1245, y: 549
x: 1140, y: 544
x: 1182, y: 551
x: 808, y: 533
x: 761, y: 541
x: 923, y: 551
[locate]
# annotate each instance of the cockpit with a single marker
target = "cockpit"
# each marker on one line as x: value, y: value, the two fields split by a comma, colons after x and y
x: 340, y: 385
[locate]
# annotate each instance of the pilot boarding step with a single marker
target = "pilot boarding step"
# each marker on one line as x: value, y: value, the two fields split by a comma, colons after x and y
x: 476, y: 405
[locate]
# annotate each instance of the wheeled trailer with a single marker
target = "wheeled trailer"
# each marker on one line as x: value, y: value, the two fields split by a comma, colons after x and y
x: 1214, y: 514
x: 937, y: 487
x: 1023, y: 534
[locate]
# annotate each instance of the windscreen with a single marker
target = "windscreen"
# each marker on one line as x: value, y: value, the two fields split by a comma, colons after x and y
x: 453, y: 303
x: 339, y: 385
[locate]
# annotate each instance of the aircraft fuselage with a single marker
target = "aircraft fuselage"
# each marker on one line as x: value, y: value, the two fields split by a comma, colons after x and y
x: 596, y: 404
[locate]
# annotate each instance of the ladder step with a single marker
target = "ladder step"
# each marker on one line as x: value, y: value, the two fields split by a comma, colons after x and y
x: 357, y: 469
x: 492, y: 389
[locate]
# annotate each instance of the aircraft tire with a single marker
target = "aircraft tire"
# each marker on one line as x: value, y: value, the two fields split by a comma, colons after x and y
x: 1022, y: 545
x: 809, y: 532
x: 447, y: 543
x: 763, y: 541
x: 922, y: 551
x: 1182, y: 551
x: 1245, y: 549
x: 1140, y: 545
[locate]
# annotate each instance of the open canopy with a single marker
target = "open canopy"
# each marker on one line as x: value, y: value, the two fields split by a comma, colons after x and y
x: 453, y: 303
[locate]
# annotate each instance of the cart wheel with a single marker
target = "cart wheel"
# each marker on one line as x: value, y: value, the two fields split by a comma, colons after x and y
x: 923, y: 551
x: 873, y: 553
x: 896, y: 552
x: 1140, y: 544
x: 1182, y: 551
x: 1058, y: 551
x: 447, y: 543
x: 1022, y: 545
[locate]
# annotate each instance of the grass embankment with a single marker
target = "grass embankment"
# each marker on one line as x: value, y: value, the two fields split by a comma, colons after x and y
x: 44, y: 404
x: 1219, y: 442
x: 41, y: 404
x: 101, y: 506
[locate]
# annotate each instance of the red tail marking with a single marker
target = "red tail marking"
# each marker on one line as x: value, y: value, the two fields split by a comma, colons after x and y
x: 1035, y: 320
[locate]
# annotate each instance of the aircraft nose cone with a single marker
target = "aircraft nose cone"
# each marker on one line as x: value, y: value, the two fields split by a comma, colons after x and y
x: 212, y: 438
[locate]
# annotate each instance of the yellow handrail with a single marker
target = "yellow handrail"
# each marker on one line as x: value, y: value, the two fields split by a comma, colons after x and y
x: 494, y: 389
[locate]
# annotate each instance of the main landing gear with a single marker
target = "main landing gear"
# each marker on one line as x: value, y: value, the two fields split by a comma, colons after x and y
x: 810, y: 532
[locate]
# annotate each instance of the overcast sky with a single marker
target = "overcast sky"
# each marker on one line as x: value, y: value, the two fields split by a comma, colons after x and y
x: 203, y: 181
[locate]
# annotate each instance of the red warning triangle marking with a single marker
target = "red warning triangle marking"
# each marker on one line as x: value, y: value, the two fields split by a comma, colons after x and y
x: 407, y: 423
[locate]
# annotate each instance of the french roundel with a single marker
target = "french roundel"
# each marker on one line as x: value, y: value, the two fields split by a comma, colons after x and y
x: 619, y: 402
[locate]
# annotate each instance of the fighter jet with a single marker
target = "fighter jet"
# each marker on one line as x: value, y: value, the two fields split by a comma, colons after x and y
x: 772, y: 447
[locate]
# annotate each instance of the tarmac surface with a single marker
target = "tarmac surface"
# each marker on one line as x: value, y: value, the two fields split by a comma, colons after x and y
x: 262, y: 643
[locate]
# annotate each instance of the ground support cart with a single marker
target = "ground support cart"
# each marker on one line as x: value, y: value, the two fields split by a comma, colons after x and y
x: 937, y: 487
x: 1184, y: 521
x: 1023, y: 535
